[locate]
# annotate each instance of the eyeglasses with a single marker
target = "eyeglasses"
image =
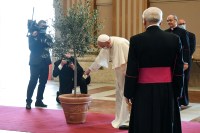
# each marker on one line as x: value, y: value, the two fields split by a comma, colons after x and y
x: 170, y: 20
x: 182, y: 24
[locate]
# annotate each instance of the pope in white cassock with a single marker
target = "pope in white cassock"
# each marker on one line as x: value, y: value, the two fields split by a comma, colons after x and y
x: 114, y: 49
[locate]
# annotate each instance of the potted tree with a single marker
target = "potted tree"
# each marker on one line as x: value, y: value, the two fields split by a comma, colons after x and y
x: 76, y: 30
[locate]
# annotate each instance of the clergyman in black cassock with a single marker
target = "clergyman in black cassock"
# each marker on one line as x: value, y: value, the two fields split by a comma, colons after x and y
x: 172, y: 21
x: 154, y: 78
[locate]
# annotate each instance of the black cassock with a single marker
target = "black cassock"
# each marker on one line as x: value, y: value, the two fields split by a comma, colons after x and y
x: 154, y: 80
x: 187, y: 43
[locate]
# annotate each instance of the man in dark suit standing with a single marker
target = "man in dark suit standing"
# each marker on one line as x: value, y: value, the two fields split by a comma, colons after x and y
x: 154, y: 78
x: 172, y: 21
x: 64, y: 68
x: 39, y: 44
x: 192, y: 40
x: 192, y: 37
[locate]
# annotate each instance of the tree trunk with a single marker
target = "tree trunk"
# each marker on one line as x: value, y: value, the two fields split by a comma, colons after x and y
x: 75, y: 72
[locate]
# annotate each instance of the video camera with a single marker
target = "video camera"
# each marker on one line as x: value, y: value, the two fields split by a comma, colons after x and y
x: 33, y: 26
x: 40, y: 27
x: 68, y: 60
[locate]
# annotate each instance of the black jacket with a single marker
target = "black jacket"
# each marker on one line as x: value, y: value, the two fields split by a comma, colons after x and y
x: 66, y: 75
x: 154, y: 48
x: 192, y: 39
x: 183, y: 34
x: 39, y: 51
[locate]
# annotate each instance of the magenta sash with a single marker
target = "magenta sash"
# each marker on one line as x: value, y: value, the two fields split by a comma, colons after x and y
x: 155, y: 75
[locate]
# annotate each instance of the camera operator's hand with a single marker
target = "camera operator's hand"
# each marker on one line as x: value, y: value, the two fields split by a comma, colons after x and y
x: 72, y: 66
x: 35, y: 33
x: 63, y: 62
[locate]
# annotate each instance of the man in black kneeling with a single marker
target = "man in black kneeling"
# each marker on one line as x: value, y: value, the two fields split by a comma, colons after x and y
x: 64, y: 68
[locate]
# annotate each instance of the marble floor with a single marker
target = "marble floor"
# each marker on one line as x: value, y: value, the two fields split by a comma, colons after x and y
x: 103, y: 95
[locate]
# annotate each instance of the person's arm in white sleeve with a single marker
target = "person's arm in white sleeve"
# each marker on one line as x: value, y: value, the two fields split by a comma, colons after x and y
x: 101, y: 60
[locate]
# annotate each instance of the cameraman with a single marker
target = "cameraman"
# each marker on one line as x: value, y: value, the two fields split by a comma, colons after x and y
x: 64, y: 68
x: 39, y: 45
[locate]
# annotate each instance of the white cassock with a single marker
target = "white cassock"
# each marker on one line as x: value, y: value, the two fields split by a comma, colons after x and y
x: 118, y: 55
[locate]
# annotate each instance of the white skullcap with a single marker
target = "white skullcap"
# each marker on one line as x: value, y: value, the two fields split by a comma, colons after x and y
x: 103, y: 38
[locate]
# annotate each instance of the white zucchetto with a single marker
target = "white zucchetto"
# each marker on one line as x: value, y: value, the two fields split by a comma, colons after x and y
x: 103, y: 38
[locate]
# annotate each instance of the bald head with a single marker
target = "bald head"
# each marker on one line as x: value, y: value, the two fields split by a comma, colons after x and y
x: 182, y: 23
x: 172, y: 17
x: 172, y: 21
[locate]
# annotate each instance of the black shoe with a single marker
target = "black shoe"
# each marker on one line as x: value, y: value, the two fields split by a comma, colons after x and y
x: 123, y: 127
x: 28, y: 106
x: 40, y: 104
x: 58, y: 94
x: 57, y: 99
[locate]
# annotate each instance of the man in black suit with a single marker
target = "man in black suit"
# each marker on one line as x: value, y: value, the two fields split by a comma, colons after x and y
x: 64, y: 68
x: 192, y: 40
x: 39, y: 45
x: 172, y: 21
x: 154, y: 78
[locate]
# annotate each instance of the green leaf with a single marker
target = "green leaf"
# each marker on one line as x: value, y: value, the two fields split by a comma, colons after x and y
x: 76, y: 28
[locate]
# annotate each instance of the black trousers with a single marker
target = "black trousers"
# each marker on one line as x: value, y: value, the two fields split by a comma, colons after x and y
x: 80, y: 82
x: 184, y: 99
x: 40, y: 72
x: 83, y: 88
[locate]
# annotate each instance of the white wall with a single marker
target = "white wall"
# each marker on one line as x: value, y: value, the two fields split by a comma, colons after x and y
x: 14, y: 52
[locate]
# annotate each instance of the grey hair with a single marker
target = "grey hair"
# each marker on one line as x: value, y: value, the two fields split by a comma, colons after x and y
x: 152, y: 15
x: 175, y: 17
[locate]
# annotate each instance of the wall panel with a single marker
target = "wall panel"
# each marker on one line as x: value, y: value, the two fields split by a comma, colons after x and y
x: 121, y: 17
x: 187, y: 10
x: 127, y: 15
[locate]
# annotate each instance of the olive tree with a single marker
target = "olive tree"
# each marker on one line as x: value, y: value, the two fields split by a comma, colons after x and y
x: 76, y: 30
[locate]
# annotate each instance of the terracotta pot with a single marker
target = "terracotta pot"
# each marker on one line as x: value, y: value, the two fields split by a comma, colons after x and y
x: 75, y: 108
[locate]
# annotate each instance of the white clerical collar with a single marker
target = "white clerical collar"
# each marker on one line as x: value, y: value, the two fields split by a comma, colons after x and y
x: 152, y: 25
x: 173, y: 28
